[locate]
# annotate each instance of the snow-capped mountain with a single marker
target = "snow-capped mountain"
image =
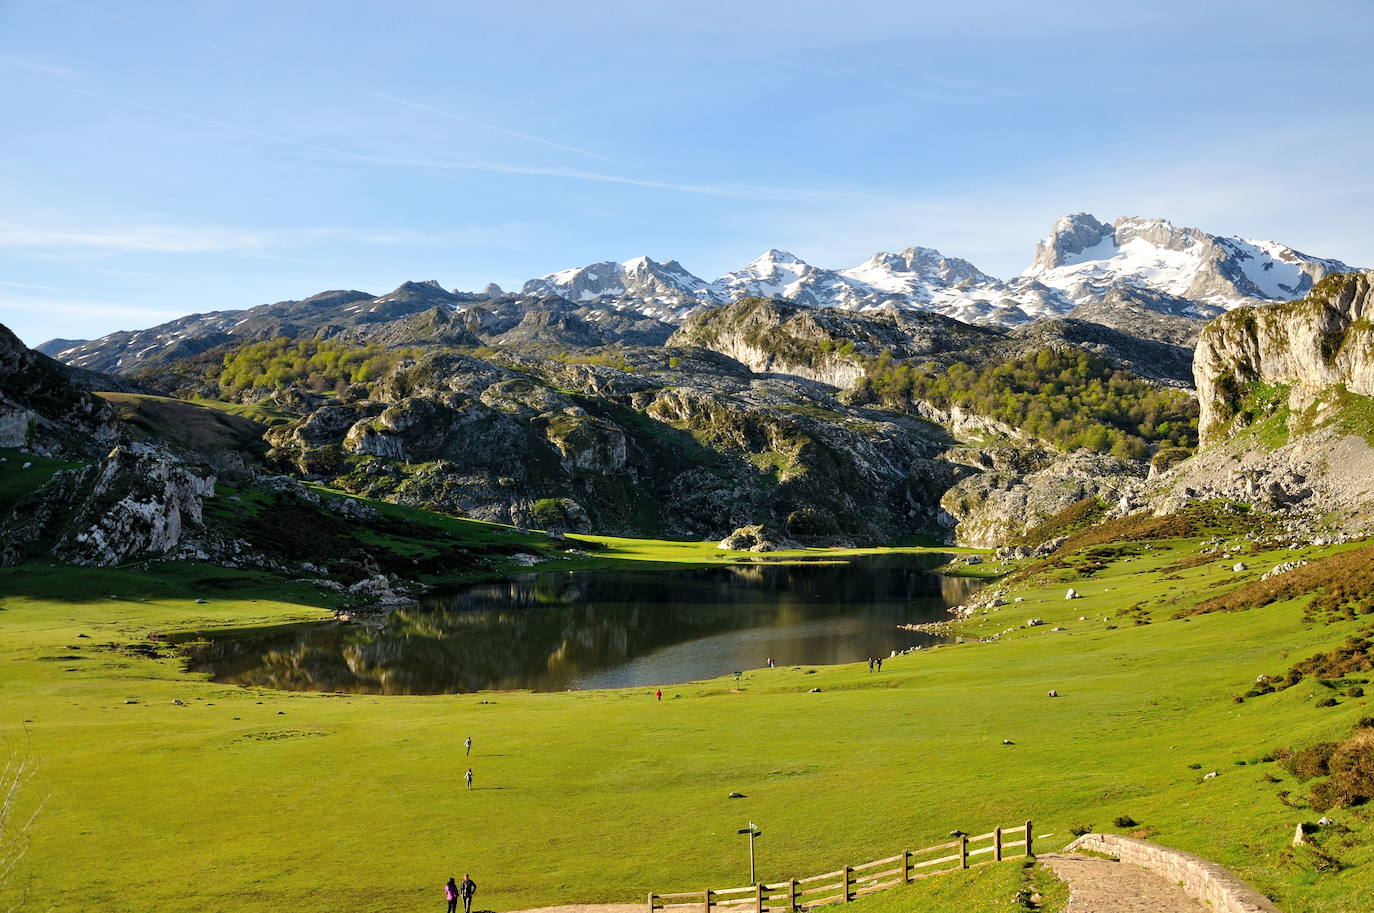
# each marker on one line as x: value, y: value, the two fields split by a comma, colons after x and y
x: 663, y: 289
x: 1149, y: 263
x: 918, y: 278
x: 1084, y: 259
x: 1081, y: 261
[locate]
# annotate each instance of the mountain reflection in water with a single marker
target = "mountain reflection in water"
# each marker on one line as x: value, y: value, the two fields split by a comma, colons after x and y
x: 553, y: 631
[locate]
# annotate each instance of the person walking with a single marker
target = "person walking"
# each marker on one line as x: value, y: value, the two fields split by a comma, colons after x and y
x: 870, y: 664
x: 659, y: 694
x: 451, y: 895
x: 880, y: 664
x: 466, y: 890
x: 468, y: 746
x: 468, y: 777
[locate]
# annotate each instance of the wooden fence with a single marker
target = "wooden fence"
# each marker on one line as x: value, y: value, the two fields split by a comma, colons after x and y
x: 853, y: 881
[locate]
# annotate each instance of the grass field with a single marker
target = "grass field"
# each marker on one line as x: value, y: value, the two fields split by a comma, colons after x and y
x: 258, y: 800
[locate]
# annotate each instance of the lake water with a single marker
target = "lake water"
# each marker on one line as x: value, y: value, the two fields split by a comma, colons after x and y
x: 553, y: 631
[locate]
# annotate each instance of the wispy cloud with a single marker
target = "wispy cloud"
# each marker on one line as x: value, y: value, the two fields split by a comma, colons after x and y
x: 497, y: 128
x: 447, y: 169
x: 24, y: 307
x: 38, y: 67
x: 151, y: 238
x: 737, y: 191
x: 130, y: 20
x: 191, y: 239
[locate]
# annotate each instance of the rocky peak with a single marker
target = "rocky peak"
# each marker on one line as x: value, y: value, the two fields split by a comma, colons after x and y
x: 1086, y: 260
x: 1070, y: 237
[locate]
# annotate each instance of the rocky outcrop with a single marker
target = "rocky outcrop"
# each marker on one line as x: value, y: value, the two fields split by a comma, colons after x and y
x: 1308, y: 346
x: 829, y: 346
x: 1016, y: 491
x: 137, y: 502
x: 681, y: 441
x: 43, y: 412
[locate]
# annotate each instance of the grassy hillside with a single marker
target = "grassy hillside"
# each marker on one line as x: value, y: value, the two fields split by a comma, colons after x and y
x: 193, y: 426
x: 201, y: 796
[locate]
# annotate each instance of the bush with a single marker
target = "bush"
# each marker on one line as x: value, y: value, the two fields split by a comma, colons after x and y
x: 1351, y: 769
x: 1356, y: 691
x: 1125, y: 821
x: 1327, y: 702
x: 1078, y: 830
x: 1309, y: 762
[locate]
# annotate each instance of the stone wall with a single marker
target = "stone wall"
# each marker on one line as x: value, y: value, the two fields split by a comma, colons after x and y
x: 1206, y: 881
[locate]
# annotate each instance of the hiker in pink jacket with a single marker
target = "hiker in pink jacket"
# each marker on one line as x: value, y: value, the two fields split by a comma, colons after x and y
x: 451, y: 895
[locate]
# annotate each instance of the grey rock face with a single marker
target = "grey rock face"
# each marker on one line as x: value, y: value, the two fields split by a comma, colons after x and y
x: 1310, y: 345
x: 41, y: 410
x: 682, y: 441
x: 781, y: 337
x: 1070, y: 237
x: 993, y: 506
x: 135, y: 503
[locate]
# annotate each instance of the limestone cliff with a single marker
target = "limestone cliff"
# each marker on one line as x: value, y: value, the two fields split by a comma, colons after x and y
x: 1309, y: 346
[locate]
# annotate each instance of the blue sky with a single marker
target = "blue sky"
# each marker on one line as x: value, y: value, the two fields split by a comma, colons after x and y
x: 162, y: 158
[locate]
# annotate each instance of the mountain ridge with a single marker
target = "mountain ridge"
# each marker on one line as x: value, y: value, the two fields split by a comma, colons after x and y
x: 1084, y: 266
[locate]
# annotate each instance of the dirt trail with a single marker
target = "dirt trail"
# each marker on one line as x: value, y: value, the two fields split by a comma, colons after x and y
x: 590, y: 908
x: 1103, y: 886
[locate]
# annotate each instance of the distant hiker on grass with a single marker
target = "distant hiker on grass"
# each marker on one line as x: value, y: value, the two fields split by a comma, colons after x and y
x: 659, y: 694
x: 468, y: 776
x: 870, y: 664
x: 451, y: 895
x: 468, y: 745
x: 879, y: 661
x: 466, y: 890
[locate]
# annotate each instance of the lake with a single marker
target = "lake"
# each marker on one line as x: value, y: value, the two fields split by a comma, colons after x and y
x: 554, y: 631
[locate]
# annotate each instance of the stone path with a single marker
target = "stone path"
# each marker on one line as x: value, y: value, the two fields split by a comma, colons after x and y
x: 1103, y: 886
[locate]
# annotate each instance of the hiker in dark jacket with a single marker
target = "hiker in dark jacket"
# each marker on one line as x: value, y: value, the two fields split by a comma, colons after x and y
x: 466, y: 890
x: 451, y: 895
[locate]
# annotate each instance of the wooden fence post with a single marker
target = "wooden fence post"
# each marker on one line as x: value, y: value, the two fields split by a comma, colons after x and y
x: 758, y: 897
x: 1029, y: 850
x: 906, y: 868
x: 651, y: 902
x: 708, y: 900
x: 792, y: 895
x: 963, y: 851
x: 848, y: 877
x: 997, y: 844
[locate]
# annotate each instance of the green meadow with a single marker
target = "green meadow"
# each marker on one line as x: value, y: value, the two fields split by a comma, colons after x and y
x: 164, y: 791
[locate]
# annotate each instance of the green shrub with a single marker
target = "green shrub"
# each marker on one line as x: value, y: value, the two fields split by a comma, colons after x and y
x: 1309, y: 762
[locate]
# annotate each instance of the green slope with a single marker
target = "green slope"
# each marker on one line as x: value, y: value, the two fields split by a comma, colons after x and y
x: 255, y: 800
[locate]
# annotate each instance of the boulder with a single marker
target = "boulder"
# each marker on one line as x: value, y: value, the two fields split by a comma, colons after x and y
x: 752, y: 539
